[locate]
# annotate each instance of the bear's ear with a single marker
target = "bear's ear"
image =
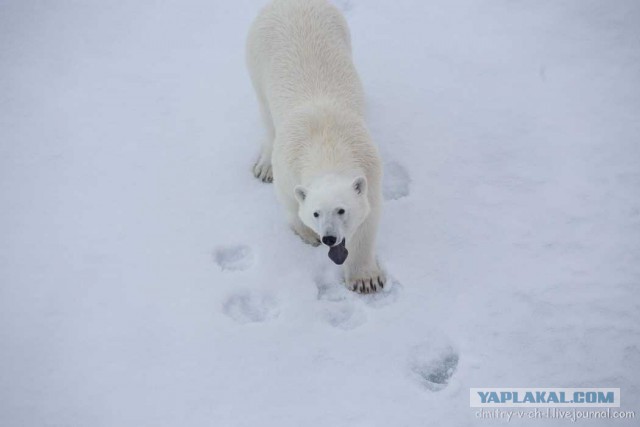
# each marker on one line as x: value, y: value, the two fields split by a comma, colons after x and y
x: 300, y: 192
x: 360, y: 185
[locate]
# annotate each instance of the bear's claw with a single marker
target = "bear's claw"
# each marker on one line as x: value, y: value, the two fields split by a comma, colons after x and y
x: 368, y: 285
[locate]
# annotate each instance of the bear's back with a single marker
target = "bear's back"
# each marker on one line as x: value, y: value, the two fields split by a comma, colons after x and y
x: 299, y: 51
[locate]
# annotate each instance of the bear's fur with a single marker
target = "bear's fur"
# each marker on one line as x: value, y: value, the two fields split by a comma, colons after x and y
x: 327, y: 171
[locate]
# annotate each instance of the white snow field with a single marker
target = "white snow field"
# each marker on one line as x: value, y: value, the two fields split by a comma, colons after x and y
x: 148, y: 279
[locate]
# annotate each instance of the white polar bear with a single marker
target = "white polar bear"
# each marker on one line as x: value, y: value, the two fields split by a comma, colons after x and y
x: 327, y: 172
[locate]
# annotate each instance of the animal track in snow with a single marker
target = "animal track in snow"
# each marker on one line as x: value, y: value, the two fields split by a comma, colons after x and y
x: 329, y: 291
x: 339, y: 310
x: 384, y: 297
x: 343, y: 308
x: 396, y: 181
x: 251, y: 307
x: 433, y: 368
x: 234, y: 258
x: 344, y: 316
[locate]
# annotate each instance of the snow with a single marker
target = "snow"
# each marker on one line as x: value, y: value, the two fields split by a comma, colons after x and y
x: 146, y: 278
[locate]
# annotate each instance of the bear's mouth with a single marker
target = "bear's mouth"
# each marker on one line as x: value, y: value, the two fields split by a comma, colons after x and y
x: 338, y: 253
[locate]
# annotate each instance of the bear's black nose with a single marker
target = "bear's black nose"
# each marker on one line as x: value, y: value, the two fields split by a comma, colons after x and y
x: 329, y: 240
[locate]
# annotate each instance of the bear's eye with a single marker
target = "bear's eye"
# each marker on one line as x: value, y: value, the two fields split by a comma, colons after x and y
x: 316, y: 214
x: 340, y: 211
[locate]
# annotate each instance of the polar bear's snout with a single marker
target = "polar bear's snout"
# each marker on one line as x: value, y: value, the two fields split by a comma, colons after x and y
x: 329, y: 240
x: 331, y: 227
x: 331, y: 230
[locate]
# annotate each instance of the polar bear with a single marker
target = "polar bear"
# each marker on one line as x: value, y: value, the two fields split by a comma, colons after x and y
x: 326, y: 170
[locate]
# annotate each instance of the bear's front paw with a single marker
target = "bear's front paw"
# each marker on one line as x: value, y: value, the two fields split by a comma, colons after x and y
x: 307, y: 235
x: 368, y: 284
x: 262, y: 170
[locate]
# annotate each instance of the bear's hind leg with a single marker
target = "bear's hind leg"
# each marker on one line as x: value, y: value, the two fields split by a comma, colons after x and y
x: 262, y: 168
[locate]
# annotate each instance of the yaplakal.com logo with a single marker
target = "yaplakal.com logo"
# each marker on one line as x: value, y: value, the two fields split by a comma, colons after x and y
x: 544, y: 397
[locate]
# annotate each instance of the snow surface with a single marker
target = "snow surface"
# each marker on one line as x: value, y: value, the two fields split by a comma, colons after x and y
x: 147, y: 279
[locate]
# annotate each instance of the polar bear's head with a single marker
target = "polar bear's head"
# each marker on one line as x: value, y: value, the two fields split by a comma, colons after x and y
x: 333, y: 206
